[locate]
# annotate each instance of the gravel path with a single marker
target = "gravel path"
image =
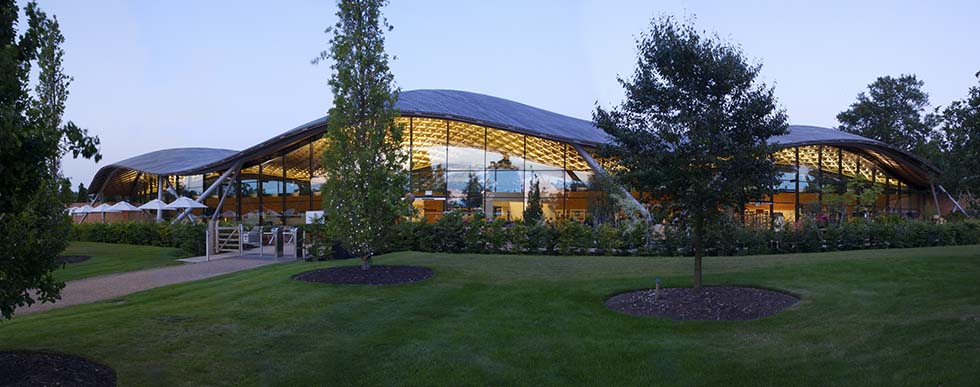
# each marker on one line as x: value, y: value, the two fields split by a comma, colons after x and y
x: 116, y: 285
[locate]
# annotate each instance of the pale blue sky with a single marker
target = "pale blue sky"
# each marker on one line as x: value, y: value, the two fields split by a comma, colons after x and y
x: 152, y: 75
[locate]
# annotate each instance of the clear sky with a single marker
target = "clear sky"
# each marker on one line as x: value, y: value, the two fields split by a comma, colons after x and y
x: 151, y: 75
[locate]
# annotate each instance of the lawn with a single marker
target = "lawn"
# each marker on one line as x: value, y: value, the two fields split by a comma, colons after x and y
x: 108, y: 258
x: 885, y: 317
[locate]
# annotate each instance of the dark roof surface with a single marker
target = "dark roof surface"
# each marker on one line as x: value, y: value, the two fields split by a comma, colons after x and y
x: 499, y: 113
x: 802, y: 134
x: 174, y: 161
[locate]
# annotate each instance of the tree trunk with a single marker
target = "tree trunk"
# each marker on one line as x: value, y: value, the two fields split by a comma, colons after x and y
x: 697, y: 257
x: 365, y: 263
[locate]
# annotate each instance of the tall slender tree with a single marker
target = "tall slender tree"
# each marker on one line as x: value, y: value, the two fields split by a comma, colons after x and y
x: 82, y: 193
x: 33, y: 139
x: 693, y: 129
x: 363, y: 160
x: 474, y: 192
x: 533, y: 214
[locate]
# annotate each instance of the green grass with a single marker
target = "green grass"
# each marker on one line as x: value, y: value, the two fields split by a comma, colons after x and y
x: 885, y: 317
x: 108, y: 258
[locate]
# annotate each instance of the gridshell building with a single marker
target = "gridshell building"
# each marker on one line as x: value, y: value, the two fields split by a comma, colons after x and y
x: 454, y: 137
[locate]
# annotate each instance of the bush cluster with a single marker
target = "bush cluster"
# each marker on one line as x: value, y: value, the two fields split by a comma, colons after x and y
x: 455, y: 233
x: 188, y: 237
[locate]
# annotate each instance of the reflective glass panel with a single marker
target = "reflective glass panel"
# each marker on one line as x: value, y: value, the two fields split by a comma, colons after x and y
x: 428, y: 144
x: 466, y: 146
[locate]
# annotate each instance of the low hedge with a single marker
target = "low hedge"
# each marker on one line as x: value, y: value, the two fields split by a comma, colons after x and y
x: 188, y: 237
x: 454, y: 233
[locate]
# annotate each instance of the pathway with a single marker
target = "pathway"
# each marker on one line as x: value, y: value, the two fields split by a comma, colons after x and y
x: 110, y: 286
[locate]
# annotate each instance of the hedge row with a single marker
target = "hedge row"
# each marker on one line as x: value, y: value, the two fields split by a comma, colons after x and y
x: 455, y: 234
x: 188, y: 237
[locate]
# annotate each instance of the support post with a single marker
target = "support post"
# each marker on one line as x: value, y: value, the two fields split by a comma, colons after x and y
x: 209, y: 240
x: 935, y: 198
x: 955, y: 203
x: 208, y: 191
x: 598, y: 169
x: 796, y: 205
x: 160, y: 197
x: 221, y: 202
x: 94, y: 199
x: 241, y: 239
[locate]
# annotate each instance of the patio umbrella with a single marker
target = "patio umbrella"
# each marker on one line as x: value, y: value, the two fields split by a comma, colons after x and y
x: 184, y: 202
x: 155, y: 204
x: 103, y: 208
x: 82, y: 210
x: 124, y: 206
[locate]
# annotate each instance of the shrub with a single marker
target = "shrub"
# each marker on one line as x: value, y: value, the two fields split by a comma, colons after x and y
x: 457, y: 233
x: 188, y: 237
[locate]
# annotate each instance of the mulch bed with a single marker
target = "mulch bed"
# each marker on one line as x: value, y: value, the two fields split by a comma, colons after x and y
x: 376, y: 275
x: 714, y: 303
x: 73, y: 258
x: 29, y: 368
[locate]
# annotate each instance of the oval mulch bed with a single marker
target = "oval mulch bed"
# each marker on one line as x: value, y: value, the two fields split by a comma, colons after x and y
x: 714, y: 303
x: 30, y: 368
x: 376, y: 275
x: 73, y: 258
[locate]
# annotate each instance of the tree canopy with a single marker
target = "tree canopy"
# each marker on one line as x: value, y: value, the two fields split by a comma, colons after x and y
x: 33, y: 139
x: 893, y: 111
x: 959, y: 145
x: 694, y: 127
x: 363, y: 160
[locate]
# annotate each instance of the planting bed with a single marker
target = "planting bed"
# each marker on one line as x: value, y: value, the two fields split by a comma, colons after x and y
x: 29, y: 368
x: 376, y: 275
x: 714, y: 303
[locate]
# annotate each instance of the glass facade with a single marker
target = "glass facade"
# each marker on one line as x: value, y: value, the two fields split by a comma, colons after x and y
x: 457, y: 166
x: 453, y: 166
x: 812, y: 176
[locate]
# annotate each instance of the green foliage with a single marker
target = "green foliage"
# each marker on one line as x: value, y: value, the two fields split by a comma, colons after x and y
x: 318, y: 239
x: 81, y: 194
x: 958, y: 149
x: 363, y: 160
x: 456, y: 234
x: 533, y: 213
x: 694, y: 127
x: 186, y: 236
x: 65, y: 194
x: 601, y: 205
x: 892, y: 111
x: 33, y: 140
x: 609, y: 239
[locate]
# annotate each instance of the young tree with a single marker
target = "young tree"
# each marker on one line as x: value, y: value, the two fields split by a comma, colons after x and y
x: 33, y: 139
x: 474, y: 192
x: 364, y: 161
x: 82, y: 194
x: 64, y: 191
x: 892, y: 111
x: 693, y: 129
x: 533, y: 213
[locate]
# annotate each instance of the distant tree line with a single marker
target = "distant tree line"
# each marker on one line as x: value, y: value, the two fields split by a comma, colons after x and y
x: 896, y: 112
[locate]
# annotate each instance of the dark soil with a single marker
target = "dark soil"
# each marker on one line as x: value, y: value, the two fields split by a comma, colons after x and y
x: 73, y: 258
x: 376, y: 275
x: 714, y: 303
x: 29, y: 368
